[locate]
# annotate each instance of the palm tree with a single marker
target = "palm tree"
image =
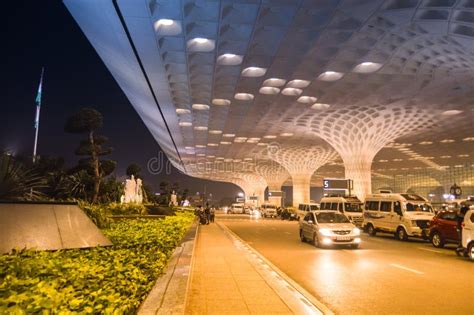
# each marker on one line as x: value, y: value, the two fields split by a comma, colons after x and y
x: 17, y: 181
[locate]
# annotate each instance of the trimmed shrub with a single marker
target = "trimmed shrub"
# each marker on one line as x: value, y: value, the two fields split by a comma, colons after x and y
x: 126, y: 208
x: 111, y: 280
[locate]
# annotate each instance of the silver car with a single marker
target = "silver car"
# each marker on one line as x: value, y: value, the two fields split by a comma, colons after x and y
x: 328, y: 228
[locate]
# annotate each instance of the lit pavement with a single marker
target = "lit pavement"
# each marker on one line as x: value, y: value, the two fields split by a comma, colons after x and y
x: 384, y: 276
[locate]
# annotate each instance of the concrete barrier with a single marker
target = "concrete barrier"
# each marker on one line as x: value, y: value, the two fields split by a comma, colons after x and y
x: 46, y: 226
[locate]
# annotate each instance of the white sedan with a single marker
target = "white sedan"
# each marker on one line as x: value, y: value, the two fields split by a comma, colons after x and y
x: 328, y: 228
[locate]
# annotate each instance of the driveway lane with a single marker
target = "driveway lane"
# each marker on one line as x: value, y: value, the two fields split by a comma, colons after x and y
x: 384, y: 276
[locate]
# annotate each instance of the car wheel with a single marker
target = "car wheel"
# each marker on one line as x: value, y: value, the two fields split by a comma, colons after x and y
x: 402, y: 234
x: 302, y: 238
x: 470, y: 251
x: 355, y: 246
x: 371, y: 230
x: 315, y: 240
x: 437, y: 240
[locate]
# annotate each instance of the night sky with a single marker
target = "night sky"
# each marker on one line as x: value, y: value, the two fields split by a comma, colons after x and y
x: 43, y: 33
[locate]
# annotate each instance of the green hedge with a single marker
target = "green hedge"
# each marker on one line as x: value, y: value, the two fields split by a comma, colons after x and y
x: 111, y: 280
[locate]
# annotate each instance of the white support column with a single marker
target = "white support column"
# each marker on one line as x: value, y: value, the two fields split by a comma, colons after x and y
x: 301, y: 188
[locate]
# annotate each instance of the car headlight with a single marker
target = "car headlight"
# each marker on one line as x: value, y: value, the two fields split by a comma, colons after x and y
x: 325, y: 232
x: 356, y: 231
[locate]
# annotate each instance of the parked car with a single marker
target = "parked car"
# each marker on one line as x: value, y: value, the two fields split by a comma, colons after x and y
x: 268, y: 211
x: 468, y: 234
x: 403, y: 215
x: 289, y: 213
x: 442, y: 229
x: 328, y: 228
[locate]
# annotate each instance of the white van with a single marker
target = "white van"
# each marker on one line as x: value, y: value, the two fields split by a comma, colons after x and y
x: 351, y: 206
x: 304, y: 208
x: 402, y: 214
x: 268, y: 210
x: 237, y: 208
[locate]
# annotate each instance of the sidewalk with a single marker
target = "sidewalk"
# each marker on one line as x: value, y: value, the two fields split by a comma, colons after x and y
x: 223, y: 281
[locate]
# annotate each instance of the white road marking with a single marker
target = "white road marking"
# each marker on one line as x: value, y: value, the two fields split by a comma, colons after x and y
x: 407, y: 269
x: 431, y: 250
x: 288, y: 233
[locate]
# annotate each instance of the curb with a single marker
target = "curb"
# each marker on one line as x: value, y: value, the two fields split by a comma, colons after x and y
x: 308, y: 296
x: 168, y: 295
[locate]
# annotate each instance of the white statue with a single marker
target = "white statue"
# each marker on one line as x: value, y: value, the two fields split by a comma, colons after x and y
x: 133, y: 190
x: 139, y: 191
x: 174, y: 199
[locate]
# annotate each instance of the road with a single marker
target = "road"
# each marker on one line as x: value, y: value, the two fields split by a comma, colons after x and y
x: 384, y: 276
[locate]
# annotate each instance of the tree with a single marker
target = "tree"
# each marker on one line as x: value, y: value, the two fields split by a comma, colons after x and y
x: 134, y: 169
x: 88, y: 121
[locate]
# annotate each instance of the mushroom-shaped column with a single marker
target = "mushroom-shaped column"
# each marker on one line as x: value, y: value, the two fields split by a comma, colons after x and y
x: 273, y: 173
x: 301, y: 162
x: 358, y: 133
x: 252, y: 185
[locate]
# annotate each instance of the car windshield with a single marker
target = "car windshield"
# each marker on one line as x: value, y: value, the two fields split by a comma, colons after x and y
x: 331, y: 217
x: 353, y: 207
x: 314, y: 207
x: 418, y: 207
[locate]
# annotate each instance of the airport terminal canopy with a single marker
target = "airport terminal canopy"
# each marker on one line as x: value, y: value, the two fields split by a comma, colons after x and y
x: 386, y: 86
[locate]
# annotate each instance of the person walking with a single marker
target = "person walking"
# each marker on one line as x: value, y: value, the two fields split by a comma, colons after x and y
x: 208, y: 214
x: 213, y: 214
x: 460, y: 220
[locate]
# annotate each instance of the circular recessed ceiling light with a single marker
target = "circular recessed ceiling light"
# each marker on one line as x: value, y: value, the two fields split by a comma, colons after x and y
x: 447, y: 141
x: 200, y: 146
x: 468, y: 139
x: 367, y: 67
x: 211, y: 156
x: 200, y: 128
x: 286, y: 134
x: 445, y: 156
x: 300, y: 84
x: 229, y: 60
x: 269, y: 137
x: 426, y: 142
x: 215, y: 132
x: 262, y: 143
x: 201, y: 44
x: 291, y: 91
x: 189, y: 148
x: 269, y: 90
x: 185, y: 123
x: 164, y: 22
x: 200, y: 40
x: 167, y: 27
x: 200, y: 154
x: 200, y: 106
x: 451, y: 112
x: 253, y: 72
x: 212, y: 145
x: 248, y: 159
x: 220, y: 101
x: 320, y: 106
x: 275, y: 82
x: 463, y: 155
x: 182, y: 111
x: 330, y: 76
x: 228, y: 135
x: 226, y: 142
x: 243, y: 96
x: 307, y: 99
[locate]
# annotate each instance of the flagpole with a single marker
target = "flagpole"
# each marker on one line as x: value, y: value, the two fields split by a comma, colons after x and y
x: 37, y: 117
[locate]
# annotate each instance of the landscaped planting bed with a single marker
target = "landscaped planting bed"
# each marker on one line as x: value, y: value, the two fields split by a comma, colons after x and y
x: 108, y: 280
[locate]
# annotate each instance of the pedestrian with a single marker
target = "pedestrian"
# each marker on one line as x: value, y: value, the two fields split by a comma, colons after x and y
x: 208, y: 214
x: 213, y: 214
x: 460, y: 220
